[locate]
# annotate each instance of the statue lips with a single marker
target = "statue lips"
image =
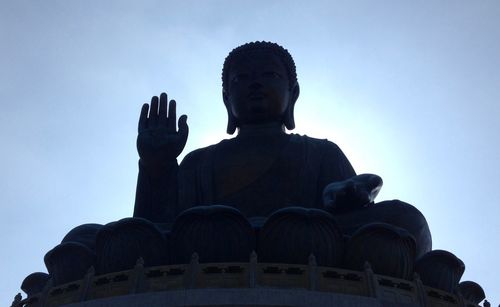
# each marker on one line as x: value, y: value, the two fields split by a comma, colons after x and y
x: 257, y: 102
x: 256, y: 96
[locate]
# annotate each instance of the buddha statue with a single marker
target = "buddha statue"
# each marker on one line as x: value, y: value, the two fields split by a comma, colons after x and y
x: 290, y: 198
x: 262, y: 169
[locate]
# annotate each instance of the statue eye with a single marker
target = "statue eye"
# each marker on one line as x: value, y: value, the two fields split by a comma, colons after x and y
x: 239, y: 78
x: 271, y: 74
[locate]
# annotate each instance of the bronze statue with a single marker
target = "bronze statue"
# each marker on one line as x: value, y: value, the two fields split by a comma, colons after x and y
x: 259, y: 171
x: 289, y: 198
x: 262, y: 169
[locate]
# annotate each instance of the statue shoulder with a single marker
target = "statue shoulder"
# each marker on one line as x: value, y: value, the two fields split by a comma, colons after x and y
x: 331, y: 158
x: 322, y: 145
x: 198, y: 156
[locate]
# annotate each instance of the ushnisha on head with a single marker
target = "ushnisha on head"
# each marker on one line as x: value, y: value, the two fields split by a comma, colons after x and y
x: 259, y: 86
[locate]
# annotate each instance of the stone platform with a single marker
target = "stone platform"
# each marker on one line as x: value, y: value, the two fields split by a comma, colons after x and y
x: 242, y: 284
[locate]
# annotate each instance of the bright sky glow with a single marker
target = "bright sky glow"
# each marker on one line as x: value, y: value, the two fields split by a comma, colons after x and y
x: 408, y: 89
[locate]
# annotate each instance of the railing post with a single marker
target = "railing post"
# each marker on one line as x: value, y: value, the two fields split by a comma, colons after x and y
x: 193, y: 271
x: 137, y: 284
x: 461, y: 299
x: 371, y: 281
x: 45, y: 293
x: 252, y: 270
x: 422, y: 296
x: 87, y: 281
x: 313, y: 272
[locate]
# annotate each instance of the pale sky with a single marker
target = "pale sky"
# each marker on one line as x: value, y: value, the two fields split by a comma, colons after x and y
x: 408, y: 89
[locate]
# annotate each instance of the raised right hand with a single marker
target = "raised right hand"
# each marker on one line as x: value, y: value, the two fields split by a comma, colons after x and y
x: 159, y: 142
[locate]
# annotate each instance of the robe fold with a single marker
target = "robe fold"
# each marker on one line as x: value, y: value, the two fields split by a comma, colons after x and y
x: 296, y: 177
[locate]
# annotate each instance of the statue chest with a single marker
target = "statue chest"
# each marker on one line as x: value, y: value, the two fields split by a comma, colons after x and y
x: 239, y: 166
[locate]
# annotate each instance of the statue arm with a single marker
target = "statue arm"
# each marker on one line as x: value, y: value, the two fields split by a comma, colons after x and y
x: 343, y: 190
x: 159, y: 144
x: 156, y: 193
x: 334, y: 167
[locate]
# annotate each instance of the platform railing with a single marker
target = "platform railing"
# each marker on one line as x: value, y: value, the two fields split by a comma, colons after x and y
x: 252, y: 274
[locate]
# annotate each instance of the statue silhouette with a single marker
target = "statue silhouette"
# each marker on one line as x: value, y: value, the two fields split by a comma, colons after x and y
x: 262, y: 169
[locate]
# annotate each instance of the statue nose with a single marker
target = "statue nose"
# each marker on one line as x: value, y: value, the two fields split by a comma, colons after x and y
x: 255, y: 85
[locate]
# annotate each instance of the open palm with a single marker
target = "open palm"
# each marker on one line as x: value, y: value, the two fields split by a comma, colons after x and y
x: 158, y: 141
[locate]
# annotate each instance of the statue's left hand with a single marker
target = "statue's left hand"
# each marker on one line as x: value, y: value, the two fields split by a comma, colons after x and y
x: 353, y: 193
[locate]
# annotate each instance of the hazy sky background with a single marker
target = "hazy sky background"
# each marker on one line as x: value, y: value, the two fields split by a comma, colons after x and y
x: 409, y: 90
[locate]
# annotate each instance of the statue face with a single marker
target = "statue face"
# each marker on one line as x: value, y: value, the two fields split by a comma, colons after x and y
x: 258, y: 89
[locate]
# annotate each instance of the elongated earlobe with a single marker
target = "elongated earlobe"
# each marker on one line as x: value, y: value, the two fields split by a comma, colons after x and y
x: 231, y: 121
x: 289, y: 119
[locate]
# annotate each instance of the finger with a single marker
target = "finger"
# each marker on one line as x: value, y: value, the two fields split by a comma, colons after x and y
x: 153, y: 112
x: 183, y: 129
x: 162, y: 113
x: 172, y: 116
x: 143, y: 118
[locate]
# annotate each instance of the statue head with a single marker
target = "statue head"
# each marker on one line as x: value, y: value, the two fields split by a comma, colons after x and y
x: 259, y: 86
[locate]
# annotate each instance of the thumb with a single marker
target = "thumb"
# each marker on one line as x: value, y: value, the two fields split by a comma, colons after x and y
x: 183, y: 127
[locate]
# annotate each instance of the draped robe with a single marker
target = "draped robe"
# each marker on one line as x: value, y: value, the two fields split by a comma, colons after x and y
x: 293, y: 174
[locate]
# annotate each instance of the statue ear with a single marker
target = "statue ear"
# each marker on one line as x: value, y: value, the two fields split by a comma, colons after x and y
x: 289, y: 120
x: 231, y: 121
